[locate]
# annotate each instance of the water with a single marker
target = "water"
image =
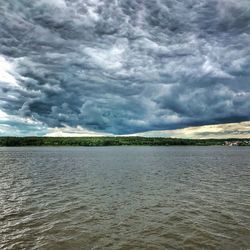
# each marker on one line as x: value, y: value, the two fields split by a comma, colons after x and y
x: 125, y: 198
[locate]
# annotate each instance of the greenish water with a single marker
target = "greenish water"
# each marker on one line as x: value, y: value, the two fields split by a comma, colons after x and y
x: 125, y: 198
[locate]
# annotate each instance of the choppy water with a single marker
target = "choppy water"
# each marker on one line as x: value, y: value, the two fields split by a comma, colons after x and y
x: 125, y: 198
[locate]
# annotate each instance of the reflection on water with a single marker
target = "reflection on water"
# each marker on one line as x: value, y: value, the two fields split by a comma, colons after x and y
x: 125, y: 198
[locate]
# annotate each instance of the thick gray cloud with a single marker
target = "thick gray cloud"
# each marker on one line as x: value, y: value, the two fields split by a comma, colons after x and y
x: 126, y: 66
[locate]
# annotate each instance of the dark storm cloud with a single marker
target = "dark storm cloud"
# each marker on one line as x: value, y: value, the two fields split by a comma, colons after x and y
x: 127, y: 66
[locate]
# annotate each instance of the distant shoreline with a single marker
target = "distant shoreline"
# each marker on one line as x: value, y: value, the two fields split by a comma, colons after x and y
x: 117, y: 141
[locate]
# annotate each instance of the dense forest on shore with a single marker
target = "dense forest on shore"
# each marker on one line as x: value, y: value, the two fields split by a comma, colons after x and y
x: 115, y: 141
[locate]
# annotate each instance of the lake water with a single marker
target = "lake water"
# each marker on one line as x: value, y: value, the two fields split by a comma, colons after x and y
x: 125, y: 198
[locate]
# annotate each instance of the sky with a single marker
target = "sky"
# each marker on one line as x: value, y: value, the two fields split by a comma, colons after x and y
x: 170, y: 68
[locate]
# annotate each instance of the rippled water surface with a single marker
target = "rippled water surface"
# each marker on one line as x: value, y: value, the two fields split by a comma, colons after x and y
x: 125, y: 198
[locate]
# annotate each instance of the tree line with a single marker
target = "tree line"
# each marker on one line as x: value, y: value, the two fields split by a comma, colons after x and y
x: 110, y: 141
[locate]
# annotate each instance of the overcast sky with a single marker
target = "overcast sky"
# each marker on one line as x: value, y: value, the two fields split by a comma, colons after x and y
x: 117, y: 67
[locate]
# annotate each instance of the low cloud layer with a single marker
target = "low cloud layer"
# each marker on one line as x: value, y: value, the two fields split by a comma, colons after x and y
x: 124, y: 67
